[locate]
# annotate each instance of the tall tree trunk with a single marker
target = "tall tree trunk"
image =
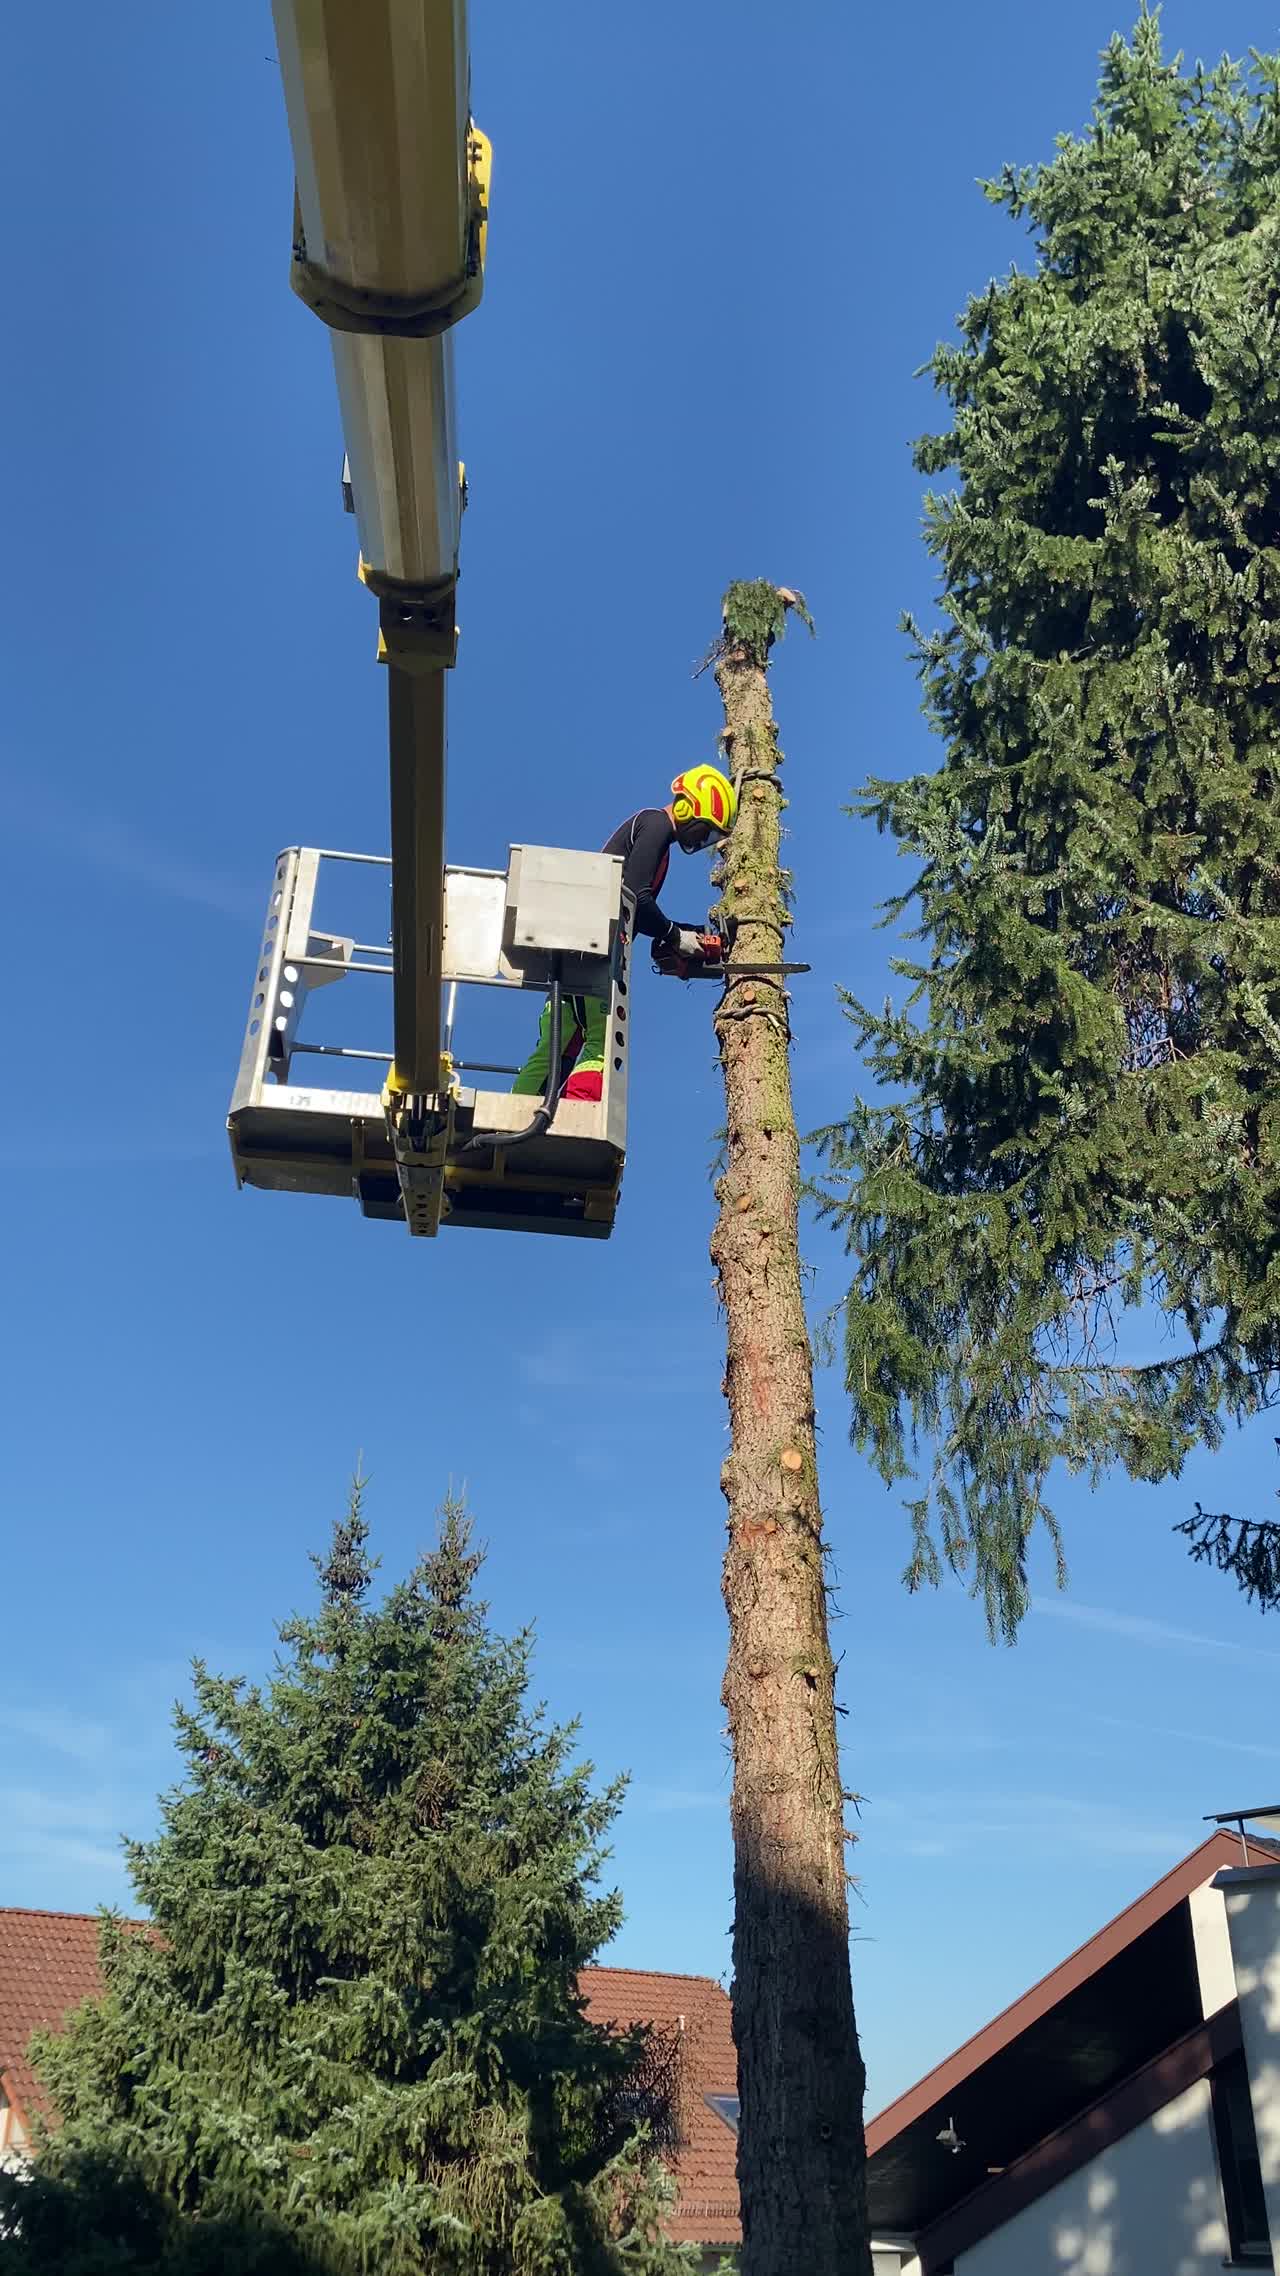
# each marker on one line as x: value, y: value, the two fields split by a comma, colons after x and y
x: 801, y: 2154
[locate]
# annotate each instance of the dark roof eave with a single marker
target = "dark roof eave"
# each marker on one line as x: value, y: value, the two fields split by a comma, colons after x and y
x: 1082, y: 2139
x: 1174, y: 1886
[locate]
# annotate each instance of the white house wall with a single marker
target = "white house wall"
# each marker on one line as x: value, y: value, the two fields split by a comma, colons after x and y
x: 12, y: 2138
x: 1208, y: 1910
x: 1151, y: 2205
x: 1253, y: 1917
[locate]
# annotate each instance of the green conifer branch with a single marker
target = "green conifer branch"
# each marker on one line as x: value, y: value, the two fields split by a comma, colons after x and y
x: 1073, y: 1127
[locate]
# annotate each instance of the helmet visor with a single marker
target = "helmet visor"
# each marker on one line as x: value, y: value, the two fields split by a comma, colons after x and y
x: 696, y: 836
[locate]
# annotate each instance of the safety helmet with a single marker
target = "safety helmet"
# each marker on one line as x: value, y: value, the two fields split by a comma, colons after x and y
x: 704, y: 804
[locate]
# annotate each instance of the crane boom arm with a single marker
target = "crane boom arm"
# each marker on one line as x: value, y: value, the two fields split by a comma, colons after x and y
x: 390, y: 213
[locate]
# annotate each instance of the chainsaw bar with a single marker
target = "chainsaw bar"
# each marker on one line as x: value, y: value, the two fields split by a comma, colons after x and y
x: 751, y: 971
x: 672, y: 971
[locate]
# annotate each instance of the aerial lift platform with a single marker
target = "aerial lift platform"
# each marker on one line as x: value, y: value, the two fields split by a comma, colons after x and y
x: 390, y: 220
x: 555, y: 920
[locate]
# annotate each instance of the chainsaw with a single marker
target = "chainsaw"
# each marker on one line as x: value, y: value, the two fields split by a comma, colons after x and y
x: 715, y: 960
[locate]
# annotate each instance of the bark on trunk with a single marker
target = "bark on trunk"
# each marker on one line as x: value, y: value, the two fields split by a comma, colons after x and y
x: 801, y: 2155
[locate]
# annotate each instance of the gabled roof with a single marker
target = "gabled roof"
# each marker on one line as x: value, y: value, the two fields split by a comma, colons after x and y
x: 1107, y: 2010
x: 1085, y: 2137
x: 49, y: 1963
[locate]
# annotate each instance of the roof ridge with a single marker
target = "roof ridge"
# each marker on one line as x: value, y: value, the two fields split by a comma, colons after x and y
x: 668, y: 1975
x: 42, y: 1912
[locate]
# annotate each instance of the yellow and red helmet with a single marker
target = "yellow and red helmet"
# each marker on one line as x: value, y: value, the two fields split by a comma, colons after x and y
x: 704, y: 804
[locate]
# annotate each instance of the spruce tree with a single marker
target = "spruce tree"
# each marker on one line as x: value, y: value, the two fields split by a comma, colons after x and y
x: 351, y: 2037
x: 1079, y: 1113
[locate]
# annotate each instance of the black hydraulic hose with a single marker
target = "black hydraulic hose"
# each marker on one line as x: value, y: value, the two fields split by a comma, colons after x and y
x: 484, y: 1139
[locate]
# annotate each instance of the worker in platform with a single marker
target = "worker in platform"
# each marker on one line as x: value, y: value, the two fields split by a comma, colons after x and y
x: 700, y: 815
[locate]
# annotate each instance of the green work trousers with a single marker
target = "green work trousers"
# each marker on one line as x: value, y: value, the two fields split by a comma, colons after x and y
x: 583, y: 1020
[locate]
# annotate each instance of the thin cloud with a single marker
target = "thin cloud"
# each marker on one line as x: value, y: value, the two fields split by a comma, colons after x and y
x: 953, y: 1742
x: 63, y: 1850
x: 837, y: 928
x: 1046, y: 1825
x: 943, y: 1740
x: 1135, y: 1628
x: 616, y: 1660
x: 69, y: 1833
x: 674, y: 1798
x: 1069, y: 1838
x: 79, y: 1736
x: 596, y: 1462
x: 121, y: 851
x: 24, y: 1810
x: 124, y: 1745
x: 592, y: 1531
x: 572, y: 1363
x: 119, y: 1154
x: 1188, y: 1738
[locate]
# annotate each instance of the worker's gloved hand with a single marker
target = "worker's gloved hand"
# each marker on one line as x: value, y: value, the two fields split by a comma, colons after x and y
x: 687, y: 945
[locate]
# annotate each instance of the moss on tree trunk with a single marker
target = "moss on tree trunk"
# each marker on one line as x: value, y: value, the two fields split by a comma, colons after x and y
x: 801, y: 2157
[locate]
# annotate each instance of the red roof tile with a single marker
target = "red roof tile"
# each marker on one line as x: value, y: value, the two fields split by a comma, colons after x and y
x: 49, y: 1963
x: 705, y: 2164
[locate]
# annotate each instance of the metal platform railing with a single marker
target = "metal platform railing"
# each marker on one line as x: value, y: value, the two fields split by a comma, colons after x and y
x: 292, y: 1133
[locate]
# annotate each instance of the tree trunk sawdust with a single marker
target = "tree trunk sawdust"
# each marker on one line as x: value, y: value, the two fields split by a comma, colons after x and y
x: 801, y: 2154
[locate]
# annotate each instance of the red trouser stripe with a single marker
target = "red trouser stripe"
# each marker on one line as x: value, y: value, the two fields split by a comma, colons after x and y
x: 589, y: 1084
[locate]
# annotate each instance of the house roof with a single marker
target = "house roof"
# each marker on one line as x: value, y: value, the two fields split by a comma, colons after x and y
x: 1111, y: 2007
x: 1195, y: 2056
x: 1038, y: 2072
x: 49, y: 1963
x: 697, y: 2009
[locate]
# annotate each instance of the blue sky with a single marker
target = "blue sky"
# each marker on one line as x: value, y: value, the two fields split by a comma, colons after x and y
x: 718, y: 253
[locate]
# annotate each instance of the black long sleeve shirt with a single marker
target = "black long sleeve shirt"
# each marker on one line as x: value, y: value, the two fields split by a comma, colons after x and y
x: 645, y: 842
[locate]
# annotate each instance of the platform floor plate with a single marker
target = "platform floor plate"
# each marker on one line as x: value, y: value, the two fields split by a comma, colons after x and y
x: 336, y: 1142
